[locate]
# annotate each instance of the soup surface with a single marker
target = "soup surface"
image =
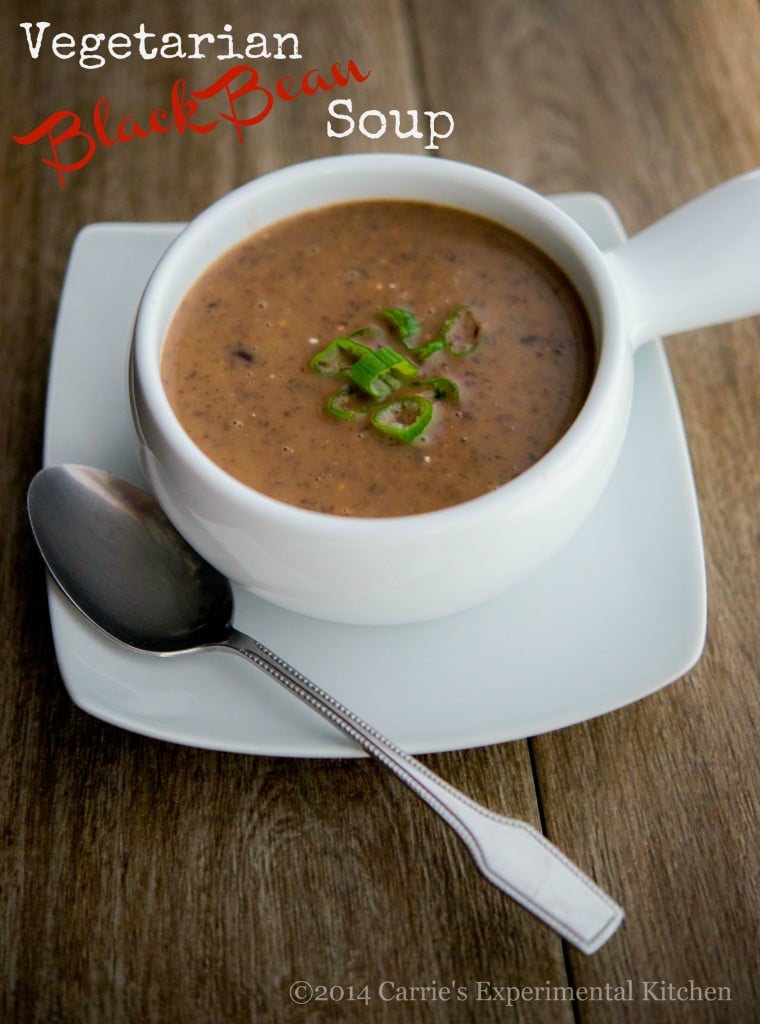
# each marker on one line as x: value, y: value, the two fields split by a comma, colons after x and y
x: 239, y: 359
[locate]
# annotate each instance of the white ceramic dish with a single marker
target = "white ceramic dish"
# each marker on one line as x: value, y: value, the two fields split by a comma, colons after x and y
x: 697, y: 266
x: 617, y: 614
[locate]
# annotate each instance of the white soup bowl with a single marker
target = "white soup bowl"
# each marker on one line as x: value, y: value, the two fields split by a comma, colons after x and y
x: 700, y: 265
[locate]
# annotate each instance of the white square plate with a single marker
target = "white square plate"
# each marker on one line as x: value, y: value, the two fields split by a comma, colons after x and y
x: 617, y: 614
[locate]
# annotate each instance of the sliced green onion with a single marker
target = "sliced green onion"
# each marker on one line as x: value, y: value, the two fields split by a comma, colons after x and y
x: 403, y: 419
x: 339, y: 407
x: 373, y: 373
x: 398, y: 364
x: 440, y: 388
x: 405, y: 324
x: 423, y: 351
x: 338, y: 357
x: 366, y: 332
x: 461, y: 332
x: 369, y: 374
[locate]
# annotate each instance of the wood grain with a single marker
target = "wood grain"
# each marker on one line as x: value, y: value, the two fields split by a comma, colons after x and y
x: 143, y: 881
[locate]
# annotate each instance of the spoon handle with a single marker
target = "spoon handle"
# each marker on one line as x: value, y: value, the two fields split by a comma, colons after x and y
x: 511, y: 854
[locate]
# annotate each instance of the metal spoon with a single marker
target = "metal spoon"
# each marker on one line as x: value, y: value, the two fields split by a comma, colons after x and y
x: 119, y: 560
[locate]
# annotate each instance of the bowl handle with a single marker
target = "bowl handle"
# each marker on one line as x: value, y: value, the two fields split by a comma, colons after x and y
x: 699, y: 265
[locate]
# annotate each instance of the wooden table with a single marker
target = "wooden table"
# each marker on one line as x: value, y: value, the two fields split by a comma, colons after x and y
x: 145, y: 881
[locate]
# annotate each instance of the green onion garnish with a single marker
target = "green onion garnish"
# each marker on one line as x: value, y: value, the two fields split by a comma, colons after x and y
x: 339, y: 405
x: 405, y: 324
x: 373, y: 373
x: 338, y: 357
x: 423, y: 351
x: 403, y: 419
x: 373, y: 331
x: 461, y: 332
x: 439, y: 388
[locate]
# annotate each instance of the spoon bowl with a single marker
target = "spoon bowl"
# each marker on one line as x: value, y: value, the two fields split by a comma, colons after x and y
x: 94, y: 529
x: 115, y: 555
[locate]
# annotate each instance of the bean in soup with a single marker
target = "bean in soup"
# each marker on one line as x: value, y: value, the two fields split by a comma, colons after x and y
x: 253, y: 372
